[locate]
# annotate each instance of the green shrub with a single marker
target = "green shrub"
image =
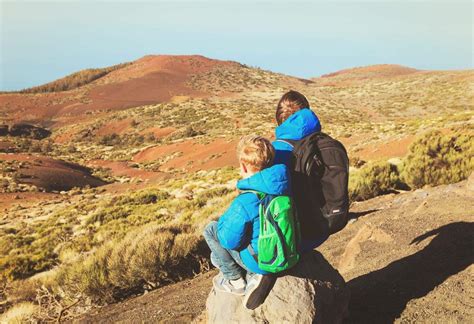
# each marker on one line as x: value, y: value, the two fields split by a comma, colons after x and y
x: 373, y: 179
x: 436, y: 159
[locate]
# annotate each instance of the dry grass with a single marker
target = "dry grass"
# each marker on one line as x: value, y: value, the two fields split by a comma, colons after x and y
x: 146, y: 258
x: 103, y: 248
x: 20, y: 313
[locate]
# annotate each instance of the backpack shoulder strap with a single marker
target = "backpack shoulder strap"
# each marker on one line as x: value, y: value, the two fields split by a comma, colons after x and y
x: 289, y: 142
x: 260, y: 195
x: 263, y: 198
x: 264, y: 201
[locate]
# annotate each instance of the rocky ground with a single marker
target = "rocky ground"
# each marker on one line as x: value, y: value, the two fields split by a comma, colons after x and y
x: 406, y: 257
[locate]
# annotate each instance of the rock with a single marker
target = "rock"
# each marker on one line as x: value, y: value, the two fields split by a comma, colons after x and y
x: 311, y: 292
x: 421, y: 193
x: 470, y: 182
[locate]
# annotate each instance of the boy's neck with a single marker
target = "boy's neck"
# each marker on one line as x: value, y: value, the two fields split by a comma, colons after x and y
x: 249, y: 173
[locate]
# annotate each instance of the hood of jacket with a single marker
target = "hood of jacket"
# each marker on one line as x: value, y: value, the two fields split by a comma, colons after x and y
x: 299, y: 125
x: 274, y: 180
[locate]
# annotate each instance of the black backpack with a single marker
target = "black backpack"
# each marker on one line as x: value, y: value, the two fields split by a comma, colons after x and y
x: 320, y: 176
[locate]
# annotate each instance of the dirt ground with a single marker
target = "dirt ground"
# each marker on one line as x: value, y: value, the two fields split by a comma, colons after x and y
x: 406, y: 258
x: 192, y: 155
x: 179, y: 303
x: 51, y: 174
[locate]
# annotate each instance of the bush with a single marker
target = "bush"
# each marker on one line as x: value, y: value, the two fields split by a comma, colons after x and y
x: 110, y: 140
x: 436, y: 159
x: 356, y: 162
x: 124, y: 140
x: 147, y: 257
x: 372, y: 180
x: 187, y: 132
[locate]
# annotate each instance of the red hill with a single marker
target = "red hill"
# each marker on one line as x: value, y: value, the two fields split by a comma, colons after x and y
x: 151, y: 79
x: 372, y: 71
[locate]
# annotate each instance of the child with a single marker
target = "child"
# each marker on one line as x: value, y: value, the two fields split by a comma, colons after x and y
x: 233, y: 239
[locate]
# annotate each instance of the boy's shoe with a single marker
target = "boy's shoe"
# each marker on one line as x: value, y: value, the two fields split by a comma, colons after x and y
x: 236, y: 287
x: 258, y: 288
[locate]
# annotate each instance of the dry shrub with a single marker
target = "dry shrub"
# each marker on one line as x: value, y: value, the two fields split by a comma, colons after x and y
x: 436, y: 159
x: 89, y: 277
x: 20, y: 313
x: 22, y: 290
x: 144, y: 259
x: 373, y: 179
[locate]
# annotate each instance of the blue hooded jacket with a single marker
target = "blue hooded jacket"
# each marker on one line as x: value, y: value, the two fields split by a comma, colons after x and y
x: 299, y: 125
x: 239, y: 226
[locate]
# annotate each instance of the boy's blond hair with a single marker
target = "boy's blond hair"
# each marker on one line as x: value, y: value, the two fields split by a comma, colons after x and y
x: 255, y: 151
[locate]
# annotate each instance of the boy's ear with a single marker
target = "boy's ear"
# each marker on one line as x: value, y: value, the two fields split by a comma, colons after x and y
x: 244, y: 167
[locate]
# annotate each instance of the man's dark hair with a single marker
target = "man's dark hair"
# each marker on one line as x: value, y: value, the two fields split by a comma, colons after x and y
x: 290, y: 102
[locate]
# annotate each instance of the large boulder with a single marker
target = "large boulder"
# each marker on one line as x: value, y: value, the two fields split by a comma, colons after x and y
x: 311, y: 292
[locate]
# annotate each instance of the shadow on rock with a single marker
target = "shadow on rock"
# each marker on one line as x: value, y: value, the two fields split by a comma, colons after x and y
x: 382, y: 295
x: 356, y: 215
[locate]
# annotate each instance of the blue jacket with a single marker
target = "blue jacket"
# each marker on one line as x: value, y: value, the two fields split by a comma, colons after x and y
x: 299, y: 125
x: 239, y: 226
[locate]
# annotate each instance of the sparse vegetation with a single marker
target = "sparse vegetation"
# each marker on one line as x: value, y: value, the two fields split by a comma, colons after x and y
x: 436, y: 159
x: 107, y: 247
x: 89, y: 246
x: 74, y: 80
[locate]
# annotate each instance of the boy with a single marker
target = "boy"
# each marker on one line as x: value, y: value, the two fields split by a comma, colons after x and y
x: 233, y: 239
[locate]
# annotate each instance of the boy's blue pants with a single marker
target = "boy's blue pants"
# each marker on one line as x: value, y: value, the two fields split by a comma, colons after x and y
x: 228, y: 261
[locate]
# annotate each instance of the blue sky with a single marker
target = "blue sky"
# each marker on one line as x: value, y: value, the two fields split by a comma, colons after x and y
x: 42, y: 41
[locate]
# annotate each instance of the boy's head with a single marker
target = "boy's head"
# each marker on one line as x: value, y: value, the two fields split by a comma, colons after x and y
x: 290, y: 102
x: 255, y: 153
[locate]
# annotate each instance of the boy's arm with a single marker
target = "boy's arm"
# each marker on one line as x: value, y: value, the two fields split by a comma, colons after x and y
x: 233, y: 227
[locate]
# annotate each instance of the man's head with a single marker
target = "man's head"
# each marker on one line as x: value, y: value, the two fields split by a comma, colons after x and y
x: 290, y: 102
x: 255, y: 153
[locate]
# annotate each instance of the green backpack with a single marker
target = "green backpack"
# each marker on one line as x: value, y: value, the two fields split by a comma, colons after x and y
x: 279, y: 234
